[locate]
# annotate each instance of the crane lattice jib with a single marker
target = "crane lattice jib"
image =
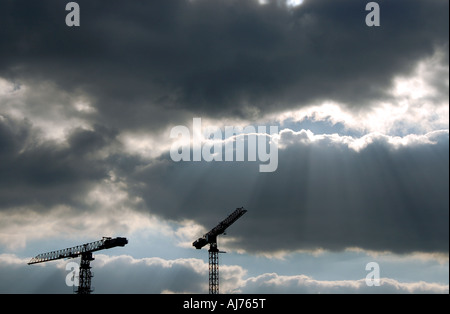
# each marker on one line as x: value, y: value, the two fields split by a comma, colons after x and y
x: 73, y: 252
x: 222, y: 226
x: 211, y: 236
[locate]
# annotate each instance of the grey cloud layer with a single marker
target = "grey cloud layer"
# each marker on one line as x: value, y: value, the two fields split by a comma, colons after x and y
x: 46, y: 173
x: 323, y: 195
x: 123, y: 274
x: 146, y: 62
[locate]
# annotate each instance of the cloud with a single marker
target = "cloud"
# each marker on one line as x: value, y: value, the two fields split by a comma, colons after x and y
x: 376, y: 192
x: 105, y: 210
x: 222, y: 58
x: 273, y: 283
x: 290, y: 138
x: 116, y: 274
x: 330, y: 192
x: 125, y: 274
x: 85, y: 115
x: 151, y: 275
x: 418, y: 105
x: 54, y: 113
x: 45, y: 173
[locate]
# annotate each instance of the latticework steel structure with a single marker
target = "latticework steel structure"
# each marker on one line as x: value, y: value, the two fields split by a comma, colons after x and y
x: 211, y: 239
x: 213, y: 269
x: 85, y: 252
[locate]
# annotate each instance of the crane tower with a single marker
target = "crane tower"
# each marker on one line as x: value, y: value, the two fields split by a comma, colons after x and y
x: 211, y: 239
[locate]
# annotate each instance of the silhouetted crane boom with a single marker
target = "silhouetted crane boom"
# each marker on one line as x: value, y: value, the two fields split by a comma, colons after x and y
x: 211, y: 239
x: 211, y: 236
x: 83, y: 251
x: 73, y: 252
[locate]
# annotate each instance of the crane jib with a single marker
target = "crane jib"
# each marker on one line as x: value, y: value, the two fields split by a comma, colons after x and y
x: 211, y: 236
x: 73, y: 252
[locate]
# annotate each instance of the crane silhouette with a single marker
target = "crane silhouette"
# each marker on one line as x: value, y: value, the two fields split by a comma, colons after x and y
x: 211, y: 239
x: 85, y: 251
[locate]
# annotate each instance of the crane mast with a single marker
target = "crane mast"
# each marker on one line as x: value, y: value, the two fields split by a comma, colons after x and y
x: 211, y: 239
x: 85, y: 252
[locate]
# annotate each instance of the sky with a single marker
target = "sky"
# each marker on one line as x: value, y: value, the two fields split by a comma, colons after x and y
x: 362, y: 173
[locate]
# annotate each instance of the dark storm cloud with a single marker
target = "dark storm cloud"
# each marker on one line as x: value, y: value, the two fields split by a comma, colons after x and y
x: 143, y: 63
x: 41, y: 173
x: 323, y: 195
x: 148, y: 64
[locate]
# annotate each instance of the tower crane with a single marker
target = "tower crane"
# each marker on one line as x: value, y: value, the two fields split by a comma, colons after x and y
x: 85, y: 251
x: 211, y: 239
